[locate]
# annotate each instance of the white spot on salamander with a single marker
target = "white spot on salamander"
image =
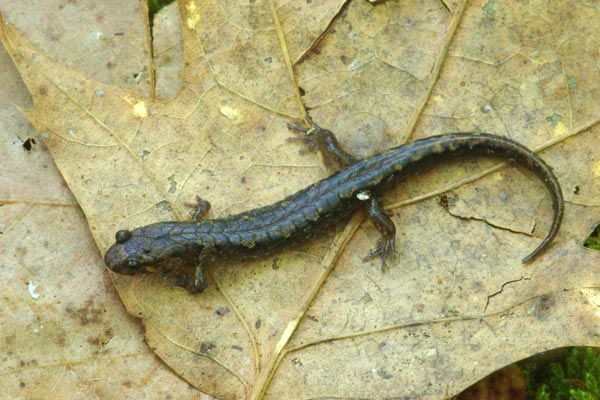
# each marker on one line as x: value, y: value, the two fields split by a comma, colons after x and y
x: 363, y: 195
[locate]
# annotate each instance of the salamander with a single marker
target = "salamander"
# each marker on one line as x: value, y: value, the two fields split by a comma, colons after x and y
x: 356, y: 184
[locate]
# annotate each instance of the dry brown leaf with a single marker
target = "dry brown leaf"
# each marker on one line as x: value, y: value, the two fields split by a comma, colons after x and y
x: 506, y: 384
x: 64, y: 331
x: 317, y: 321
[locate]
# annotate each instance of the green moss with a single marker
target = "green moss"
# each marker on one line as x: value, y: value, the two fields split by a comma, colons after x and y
x: 155, y: 6
x: 592, y: 242
x: 576, y: 377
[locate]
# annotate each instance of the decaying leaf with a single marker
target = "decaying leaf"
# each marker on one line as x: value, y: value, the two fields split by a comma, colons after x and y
x: 316, y: 320
x: 64, y: 331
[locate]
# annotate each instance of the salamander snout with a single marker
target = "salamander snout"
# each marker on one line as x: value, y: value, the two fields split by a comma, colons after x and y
x: 129, y: 255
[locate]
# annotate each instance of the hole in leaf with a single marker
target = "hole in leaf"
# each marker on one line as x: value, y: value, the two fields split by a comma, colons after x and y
x: 593, y: 241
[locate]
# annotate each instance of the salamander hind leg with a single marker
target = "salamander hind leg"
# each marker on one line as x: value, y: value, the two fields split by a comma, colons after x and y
x: 323, y: 140
x: 386, y: 245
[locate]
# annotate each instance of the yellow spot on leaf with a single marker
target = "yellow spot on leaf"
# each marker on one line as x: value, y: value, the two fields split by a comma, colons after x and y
x: 560, y: 128
x: 139, y: 106
x: 497, y: 176
x: 140, y: 109
x: 193, y: 16
x: 232, y: 113
x: 596, y: 168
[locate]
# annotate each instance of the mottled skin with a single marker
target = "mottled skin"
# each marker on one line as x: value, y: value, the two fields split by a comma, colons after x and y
x: 357, y: 185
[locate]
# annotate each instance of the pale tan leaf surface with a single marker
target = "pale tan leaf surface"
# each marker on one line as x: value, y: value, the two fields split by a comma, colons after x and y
x: 168, y: 60
x: 111, y: 46
x: 64, y: 332
x: 316, y: 320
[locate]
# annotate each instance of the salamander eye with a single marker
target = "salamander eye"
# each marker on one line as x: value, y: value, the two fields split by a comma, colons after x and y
x: 122, y: 236
x: 133, y: 263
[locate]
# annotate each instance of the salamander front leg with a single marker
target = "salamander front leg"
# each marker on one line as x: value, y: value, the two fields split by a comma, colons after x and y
x: 199, y: 283
x: 202, y: 207
x: 194, y: 284
x: 323, y: 140
x: 386, y: 245
x: 181, y: 280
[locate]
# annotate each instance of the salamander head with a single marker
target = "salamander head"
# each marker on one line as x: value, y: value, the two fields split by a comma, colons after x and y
x: 159, y: 246
x: 131, y: 254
